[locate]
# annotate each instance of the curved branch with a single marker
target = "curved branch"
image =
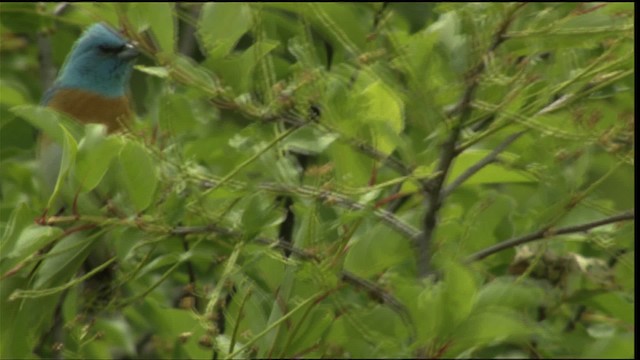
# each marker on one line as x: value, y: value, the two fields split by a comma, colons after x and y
x: 547, y: 233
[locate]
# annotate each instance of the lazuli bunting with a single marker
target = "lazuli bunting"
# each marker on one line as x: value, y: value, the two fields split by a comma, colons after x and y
x: 92, y: 84
x: 91, y: 87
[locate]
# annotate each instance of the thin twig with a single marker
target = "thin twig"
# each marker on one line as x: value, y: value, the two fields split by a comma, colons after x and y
x: 547, y: 233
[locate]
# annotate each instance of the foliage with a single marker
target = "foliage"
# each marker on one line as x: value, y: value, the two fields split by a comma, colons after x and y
x: 326, y: 180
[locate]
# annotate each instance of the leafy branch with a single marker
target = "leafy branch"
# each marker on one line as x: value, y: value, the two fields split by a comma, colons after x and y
x: 371, y: 288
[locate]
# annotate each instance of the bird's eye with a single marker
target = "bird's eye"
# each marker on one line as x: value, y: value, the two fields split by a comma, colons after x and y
x: 110, y: 49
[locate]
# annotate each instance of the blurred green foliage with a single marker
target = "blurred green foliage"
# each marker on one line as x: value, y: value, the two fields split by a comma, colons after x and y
x: 317, y: 125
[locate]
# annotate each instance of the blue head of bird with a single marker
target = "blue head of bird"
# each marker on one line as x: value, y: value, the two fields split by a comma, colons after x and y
x: 100, y: 61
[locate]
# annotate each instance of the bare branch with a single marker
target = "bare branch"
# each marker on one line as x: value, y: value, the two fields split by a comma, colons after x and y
x: 545, y: 233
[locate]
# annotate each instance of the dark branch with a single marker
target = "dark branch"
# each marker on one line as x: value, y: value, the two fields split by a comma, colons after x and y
x: 432, y: 189
x: 545, y: 233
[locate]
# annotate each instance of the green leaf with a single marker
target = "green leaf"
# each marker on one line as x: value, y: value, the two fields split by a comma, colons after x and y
x: 176, y: 113
x: 259, y: 213
x: 30, y: 316
x: 95, y: 153
x: 31, y: 239
x: 138, y: 175
x: 159, y: 18
x: 12, y: 94
x: 459, y: 293
x: 319, y: 320
x: 168, y: 324
x: 49, y: 121
x: 17, y: 340
x: 16, y: 135
x: 448, y: 29
x: 616, y: 304
x: 487, y: 327
x: 118, y: 334
x: 157, y: 71
x: 69, y: 151
x: 431, y: 308
x: 55, y: 162
x: 65, y: 258
x: 237, y: 70
x: 351, y: 168
x: 341, y: 24
x: 20, y: 219
x: 507, y: 292
x: 384, y: 113
x: 221, y: 25
x: 600, y: 331
x: 490, y: 174
x: 488, y: 221
x: 621, y: 346
x: 375, y: 250
x: 198, y: 77
x: 309, y: 140
x: 160, y: 262
x: 493, y: 173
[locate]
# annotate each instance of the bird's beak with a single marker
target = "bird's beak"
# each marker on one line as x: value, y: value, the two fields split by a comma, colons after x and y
x: 129, y: 53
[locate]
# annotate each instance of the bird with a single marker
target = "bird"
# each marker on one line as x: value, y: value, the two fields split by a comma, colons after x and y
x: 91, y: 87
x: 92, y: 84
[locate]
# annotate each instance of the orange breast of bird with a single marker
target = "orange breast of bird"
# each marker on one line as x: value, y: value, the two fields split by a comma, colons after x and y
x: 114, y: 113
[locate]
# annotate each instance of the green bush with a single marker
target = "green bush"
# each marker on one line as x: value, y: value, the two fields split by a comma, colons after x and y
x: 309, y: 180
